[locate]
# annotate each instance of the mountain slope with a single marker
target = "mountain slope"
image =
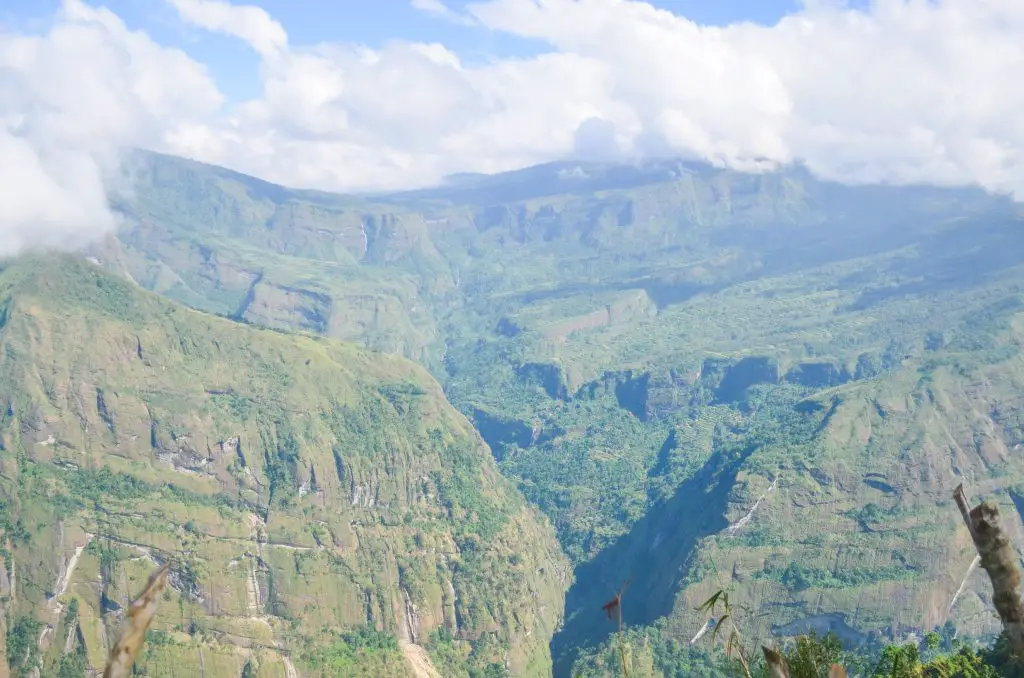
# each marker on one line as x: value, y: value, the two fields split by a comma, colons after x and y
x: 240, y: 247
x: 648, y: 349
x: 834, y: 511
x: 306, y: 492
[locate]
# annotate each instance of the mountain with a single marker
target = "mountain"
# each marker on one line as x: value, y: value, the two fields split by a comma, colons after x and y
x: 325, y: 510
x: 242, y: 248
x: 704, y: 378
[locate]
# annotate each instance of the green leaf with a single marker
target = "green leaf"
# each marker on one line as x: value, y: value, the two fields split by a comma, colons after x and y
x: 708, y: 605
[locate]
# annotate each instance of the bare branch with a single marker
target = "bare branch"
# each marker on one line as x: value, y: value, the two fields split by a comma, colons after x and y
x: 777, y: 666
x: 140, y: 615
x: 961, y: 502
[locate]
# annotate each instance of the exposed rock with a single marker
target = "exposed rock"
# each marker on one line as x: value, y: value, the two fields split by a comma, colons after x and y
x: 630, y: 388
x: 547, y: 376
x: 818, y: 374
x: 739, y: 377
x: 500, y: 432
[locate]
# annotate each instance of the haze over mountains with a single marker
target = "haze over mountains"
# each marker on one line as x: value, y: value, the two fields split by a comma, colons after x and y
x: 501, y: 305
x: 373, y: 98
x: 699, y: 378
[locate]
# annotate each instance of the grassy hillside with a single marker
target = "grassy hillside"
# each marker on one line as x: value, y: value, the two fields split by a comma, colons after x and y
x: 322, y: 506
x: 239, y: 247
x: 647, y: 350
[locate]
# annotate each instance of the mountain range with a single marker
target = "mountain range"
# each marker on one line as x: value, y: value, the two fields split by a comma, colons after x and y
x: 432, y: 432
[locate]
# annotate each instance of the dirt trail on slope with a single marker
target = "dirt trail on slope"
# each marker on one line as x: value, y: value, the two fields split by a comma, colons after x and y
x: 418, y: 658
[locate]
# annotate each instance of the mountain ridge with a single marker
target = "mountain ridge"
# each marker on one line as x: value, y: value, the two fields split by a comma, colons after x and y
x: 709, y: 380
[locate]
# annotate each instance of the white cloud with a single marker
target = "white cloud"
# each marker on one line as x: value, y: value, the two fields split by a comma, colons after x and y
x: 69, y: 101
x: 907, y: 91
x: 246, y: 22
x: 438, y: 8
x: 431, y: 6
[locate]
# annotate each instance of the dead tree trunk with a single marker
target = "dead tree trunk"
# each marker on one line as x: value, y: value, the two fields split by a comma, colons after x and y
x: 777, y: 666
x: 1000, y: 562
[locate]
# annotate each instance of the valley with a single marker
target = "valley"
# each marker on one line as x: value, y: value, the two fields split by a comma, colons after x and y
x: 687, y: 378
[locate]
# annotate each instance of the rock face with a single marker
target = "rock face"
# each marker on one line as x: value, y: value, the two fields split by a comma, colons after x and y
x: 747, y: 372
x: 300, y: 488
x: 240, y: 247
x: 818, y: 374
x: 547, y: 376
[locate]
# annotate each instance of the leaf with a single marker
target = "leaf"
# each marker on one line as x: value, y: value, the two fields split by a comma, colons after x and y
x: 714, y: 632
x: 734, y: 643
x: 709, y: 604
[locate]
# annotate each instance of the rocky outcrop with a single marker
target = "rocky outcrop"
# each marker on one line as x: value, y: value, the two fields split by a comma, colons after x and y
x: 285, y: 307
x: 818, y: 374
x: 547, y: 376
x: 630, y: 389
x: 740, y: 376
x: 500, y: 432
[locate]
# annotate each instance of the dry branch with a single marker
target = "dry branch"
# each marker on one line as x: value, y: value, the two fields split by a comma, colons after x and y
x: 961, y: 503
x: 777, y: 666
x: 140, y: 615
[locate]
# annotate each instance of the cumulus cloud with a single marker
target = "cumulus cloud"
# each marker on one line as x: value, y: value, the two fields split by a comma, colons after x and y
x: 438, y: 8
x: 595, y: 140
x: 904, y: 91
x: 69, y: 101
x: 249, y: 23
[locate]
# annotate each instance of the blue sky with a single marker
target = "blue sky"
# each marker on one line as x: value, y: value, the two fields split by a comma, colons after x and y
x: 898, y: 91
x: 369, y: 22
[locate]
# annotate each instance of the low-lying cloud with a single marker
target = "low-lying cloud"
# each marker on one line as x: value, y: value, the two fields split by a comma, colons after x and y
x: 70, y: 100
x: 906, y: 91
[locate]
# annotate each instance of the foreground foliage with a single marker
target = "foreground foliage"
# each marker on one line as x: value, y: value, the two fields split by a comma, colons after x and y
x: 651, y: 656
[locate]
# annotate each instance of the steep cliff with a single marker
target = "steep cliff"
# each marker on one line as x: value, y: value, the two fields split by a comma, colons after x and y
x: 323, y: 507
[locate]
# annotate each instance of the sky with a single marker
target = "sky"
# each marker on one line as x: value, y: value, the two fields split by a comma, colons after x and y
x: 352, y: 95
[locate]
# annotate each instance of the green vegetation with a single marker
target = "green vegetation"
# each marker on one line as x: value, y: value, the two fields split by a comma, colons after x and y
x: 810, y: 656
x: 700, y: 377
x: 350, y: 496
x: 361, y: 653
x: 21, y: 644
x: 460, y: 659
